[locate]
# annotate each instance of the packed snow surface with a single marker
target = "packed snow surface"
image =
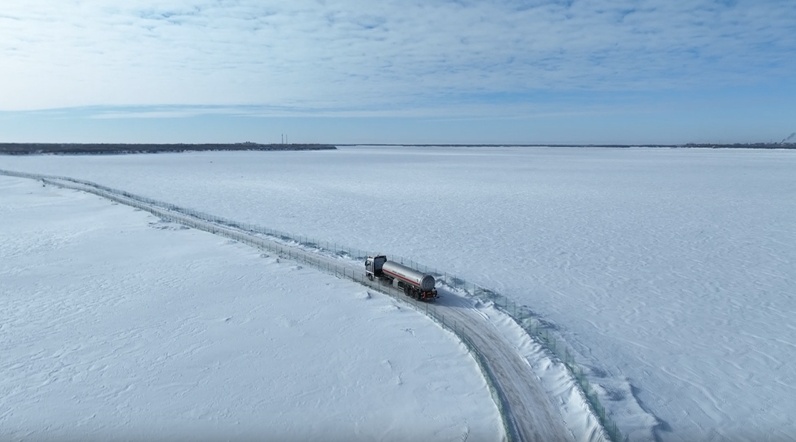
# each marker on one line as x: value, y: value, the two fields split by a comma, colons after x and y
x: 118, y: 325
x: 669, y: 271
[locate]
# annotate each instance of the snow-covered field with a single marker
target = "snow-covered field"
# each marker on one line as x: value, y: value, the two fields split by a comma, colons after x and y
x: 117, y: 325
x: 670, y: 270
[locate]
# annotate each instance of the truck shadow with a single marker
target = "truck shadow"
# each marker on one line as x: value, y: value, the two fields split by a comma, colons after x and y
x: 444, y: 299
x: 451, y: 300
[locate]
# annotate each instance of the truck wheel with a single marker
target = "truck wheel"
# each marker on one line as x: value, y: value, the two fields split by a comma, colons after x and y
x: 370, y: 276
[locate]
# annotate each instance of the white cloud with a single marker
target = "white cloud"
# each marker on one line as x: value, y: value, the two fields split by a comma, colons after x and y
x: 385, y: 56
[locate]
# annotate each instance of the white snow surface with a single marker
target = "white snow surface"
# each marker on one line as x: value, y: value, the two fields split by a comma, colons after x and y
x: 669, y: 271
x: 119, y: 326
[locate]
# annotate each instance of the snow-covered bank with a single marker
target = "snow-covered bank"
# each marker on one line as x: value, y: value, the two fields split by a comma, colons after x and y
x: 117, y: 326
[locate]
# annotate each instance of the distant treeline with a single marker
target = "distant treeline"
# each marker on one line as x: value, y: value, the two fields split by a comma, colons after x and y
x: 110, y: 148
x: 743, y: 145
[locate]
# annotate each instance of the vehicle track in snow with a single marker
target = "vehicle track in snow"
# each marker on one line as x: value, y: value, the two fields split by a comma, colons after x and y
x: 529, y: 409
x: 528, y: 412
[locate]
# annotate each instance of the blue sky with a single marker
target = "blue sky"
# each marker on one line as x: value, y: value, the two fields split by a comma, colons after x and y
x: 412, y: 71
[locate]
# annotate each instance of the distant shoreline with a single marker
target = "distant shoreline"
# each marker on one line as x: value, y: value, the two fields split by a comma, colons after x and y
x: 122, y: 148
x: 137, y: 148
x: 613, y: 146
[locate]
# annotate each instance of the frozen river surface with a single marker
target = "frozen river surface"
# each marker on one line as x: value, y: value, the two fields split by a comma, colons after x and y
x: 668, y: 270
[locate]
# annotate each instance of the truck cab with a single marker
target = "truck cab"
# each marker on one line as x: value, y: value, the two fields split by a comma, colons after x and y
x: 373, y: 266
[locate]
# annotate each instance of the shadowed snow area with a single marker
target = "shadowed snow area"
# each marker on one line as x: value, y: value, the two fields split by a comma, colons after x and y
x: 669, y: 271
x: 116, y: 325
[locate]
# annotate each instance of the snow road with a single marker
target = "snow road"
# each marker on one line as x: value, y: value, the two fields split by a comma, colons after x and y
x: 117, y: 325
x: 529, y: 412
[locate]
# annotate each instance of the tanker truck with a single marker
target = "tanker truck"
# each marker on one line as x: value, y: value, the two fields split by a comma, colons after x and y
x: 415, y: 284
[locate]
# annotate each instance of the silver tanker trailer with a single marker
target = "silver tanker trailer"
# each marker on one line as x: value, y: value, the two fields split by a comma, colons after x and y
x: 415, y: 284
